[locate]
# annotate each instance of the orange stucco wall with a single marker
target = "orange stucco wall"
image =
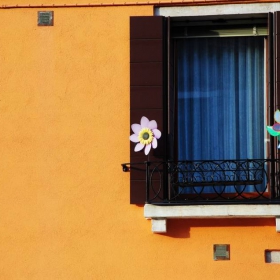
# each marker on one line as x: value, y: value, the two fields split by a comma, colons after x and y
x: 64, y: 200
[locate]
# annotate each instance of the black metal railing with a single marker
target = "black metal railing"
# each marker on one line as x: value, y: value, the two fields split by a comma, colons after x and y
x: 212, y: 181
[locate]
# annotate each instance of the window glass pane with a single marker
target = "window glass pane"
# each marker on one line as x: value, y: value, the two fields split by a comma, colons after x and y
x: 220, y: 98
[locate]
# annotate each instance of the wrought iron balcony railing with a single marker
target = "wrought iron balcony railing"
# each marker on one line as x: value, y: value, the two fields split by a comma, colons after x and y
x: 212, y: 181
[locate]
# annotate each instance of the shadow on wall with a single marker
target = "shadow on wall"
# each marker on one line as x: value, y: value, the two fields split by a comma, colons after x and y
x: 180, y: 228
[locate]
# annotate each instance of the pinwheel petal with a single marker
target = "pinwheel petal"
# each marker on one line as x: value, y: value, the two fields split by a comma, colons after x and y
x: 272, y: 132
x: 136, y: 128
x: 134, y: 138
x: 138, y: 147
x: 147, y: 148
x: 277, y: 116
x: 152, y: 124
x: 154, y: 143
x: 144, y: 122
x: 156, y: 133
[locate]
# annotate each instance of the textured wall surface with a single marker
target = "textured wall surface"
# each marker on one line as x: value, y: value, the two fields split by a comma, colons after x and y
x: 64, y: 202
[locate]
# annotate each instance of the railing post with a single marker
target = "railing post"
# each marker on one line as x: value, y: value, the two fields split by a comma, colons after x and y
x: 247, y: 169
x: 275, y: 181
x: 273, y: 176
x: 147, y: 180
x: 165, y: 181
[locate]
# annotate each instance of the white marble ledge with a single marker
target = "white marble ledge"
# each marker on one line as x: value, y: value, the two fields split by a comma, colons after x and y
x: 159, y: 214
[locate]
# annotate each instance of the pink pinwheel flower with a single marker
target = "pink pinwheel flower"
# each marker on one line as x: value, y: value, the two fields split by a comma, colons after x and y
x: 145, y: 134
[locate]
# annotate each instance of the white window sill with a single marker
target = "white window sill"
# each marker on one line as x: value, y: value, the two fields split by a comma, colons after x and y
x: 159, y: 214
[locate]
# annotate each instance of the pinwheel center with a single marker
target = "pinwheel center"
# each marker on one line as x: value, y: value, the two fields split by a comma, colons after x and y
x: 145, y: 136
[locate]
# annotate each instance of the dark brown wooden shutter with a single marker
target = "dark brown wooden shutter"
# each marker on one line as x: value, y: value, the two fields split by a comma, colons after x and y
x: 276, y: 93
x: 147, y: 92
x: 270, y: 81
x: 277, y: 59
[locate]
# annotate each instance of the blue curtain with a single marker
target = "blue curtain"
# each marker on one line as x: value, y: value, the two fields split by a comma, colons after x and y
x: 220, y: 98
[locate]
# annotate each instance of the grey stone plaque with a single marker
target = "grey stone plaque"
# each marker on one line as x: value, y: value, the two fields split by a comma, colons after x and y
x: 221, y: 252
x: 45, y: 18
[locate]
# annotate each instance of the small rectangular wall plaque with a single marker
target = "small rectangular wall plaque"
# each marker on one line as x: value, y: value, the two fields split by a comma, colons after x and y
x: 272, y: 256
x: 221, y: 252
x: 45, y: 18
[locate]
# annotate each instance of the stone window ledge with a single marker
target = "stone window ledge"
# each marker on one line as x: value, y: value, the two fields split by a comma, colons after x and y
x: 159, y: 214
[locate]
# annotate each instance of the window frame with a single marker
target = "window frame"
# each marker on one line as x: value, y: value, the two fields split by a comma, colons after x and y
x: 200, y: 22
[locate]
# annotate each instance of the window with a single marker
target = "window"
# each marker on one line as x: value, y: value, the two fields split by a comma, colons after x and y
x: 224, y: 87
x: 221, y: 100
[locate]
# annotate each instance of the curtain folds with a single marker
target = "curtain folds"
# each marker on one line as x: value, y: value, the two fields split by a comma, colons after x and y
x: 221, y: 98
